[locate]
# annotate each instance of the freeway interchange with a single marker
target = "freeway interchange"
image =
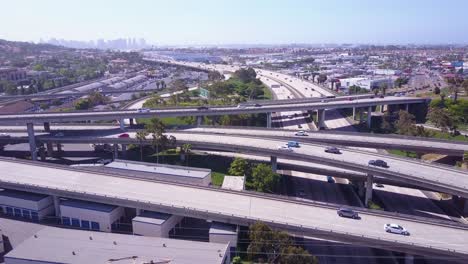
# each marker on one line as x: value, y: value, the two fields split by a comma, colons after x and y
x: 428, y: 236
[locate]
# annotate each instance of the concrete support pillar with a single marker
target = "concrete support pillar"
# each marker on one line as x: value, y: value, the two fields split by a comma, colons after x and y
x: 124, y: 151
x: 131, y: 122
x: 274, y: 163
x: 116, y: 151
x: 354, y: 113
x: 407, y: 107
x: 56, y: 205
x: 268, y: 124
x: 32, y: 141
x: 46, y: 126
x: 321, y: 118
x: 199, y: 120
x: 369, y: 116
x: 461, y: 204
x: 59, y: 147
x: 50, y: 149
x: 369, y: 185
x: 122, y: 124
x: 409, y: 259
x: 138, y: 211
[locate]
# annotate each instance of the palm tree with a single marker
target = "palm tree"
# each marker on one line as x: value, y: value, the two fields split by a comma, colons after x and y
x: 186, y: 149
x: 141, y: 136
x: 156, y: 129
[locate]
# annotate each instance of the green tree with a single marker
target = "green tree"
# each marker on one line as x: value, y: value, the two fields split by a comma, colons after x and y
x: 141, y: 137
x: 322, y: 78
x: 441, y: 118
x: 82, y: 104
x: 236, y: 260
x: 239, y: 167
x: 264, y: 179
x: 272, y: 246
x: 296, y: 255
x: 405, y: 125
x: 156, y: 128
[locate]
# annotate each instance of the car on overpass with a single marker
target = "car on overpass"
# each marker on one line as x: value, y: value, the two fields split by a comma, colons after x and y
x: 301, y: 133
x: 396, y: 229
x: 4, y: 135
x: 285, y: 148
x: 124, y: 135
x: 378, y: 163
x: 143, y: 110
x: 202, y: 108
x: 333, y: 150
x: 347, y: 212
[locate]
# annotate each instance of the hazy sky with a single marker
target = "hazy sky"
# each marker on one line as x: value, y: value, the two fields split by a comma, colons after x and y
x: 238, y: 21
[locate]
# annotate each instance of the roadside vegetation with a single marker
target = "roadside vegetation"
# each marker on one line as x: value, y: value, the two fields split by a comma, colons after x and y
x: 242, y: 86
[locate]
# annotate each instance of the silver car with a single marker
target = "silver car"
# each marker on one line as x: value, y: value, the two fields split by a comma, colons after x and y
x: 396, y: 229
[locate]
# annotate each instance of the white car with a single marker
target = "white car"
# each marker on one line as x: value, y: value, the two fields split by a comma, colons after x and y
x: 285, y: 148
x: 143, y: 110
x: 301, y: 133
x: 396, y: 229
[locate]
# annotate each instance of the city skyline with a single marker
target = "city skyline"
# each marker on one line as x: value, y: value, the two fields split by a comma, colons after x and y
x: 209, y: 22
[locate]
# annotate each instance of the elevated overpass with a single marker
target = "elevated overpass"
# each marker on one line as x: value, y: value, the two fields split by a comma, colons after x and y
x: 211, y: 111
x: 412, y: 171
x: 351, y: 139
x: 428, y: 237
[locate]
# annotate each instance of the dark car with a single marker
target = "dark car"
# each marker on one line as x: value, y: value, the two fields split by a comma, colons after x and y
x: 346, y: 212
x: 381, y: 96
x: 258, y: 105
x: 330, y: 179
x: 378, y: 163
x: 202, y: 108
x: 333, y: 150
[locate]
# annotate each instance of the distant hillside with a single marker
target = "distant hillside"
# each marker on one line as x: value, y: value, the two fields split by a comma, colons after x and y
x: 15, y: 51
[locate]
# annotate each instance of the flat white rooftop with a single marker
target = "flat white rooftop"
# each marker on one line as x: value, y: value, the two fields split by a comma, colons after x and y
x: 233, y: 183
x: 161, y: 169
x: 58, y: 245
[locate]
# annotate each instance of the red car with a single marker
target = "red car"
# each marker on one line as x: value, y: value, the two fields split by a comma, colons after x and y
x: 124, y: 135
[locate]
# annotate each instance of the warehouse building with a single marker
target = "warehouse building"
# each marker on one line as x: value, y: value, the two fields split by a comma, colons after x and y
x: 161, y: 172
x: 90, y: 215
x: 154, y: 224
x: 58, y: 245
x: 31, y: 206
x: 224, y: 234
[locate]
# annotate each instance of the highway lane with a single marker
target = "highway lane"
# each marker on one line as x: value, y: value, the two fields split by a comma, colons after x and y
x: 274, y: 211
x: 349, y: 139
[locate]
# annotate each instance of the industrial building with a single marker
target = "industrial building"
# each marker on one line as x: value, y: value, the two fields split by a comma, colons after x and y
x: 162, y: 172
x: 224, y: 234
x: 31, y: 206
x: 58, y: 245
x: 90, y: 215
x: 154, y: 224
